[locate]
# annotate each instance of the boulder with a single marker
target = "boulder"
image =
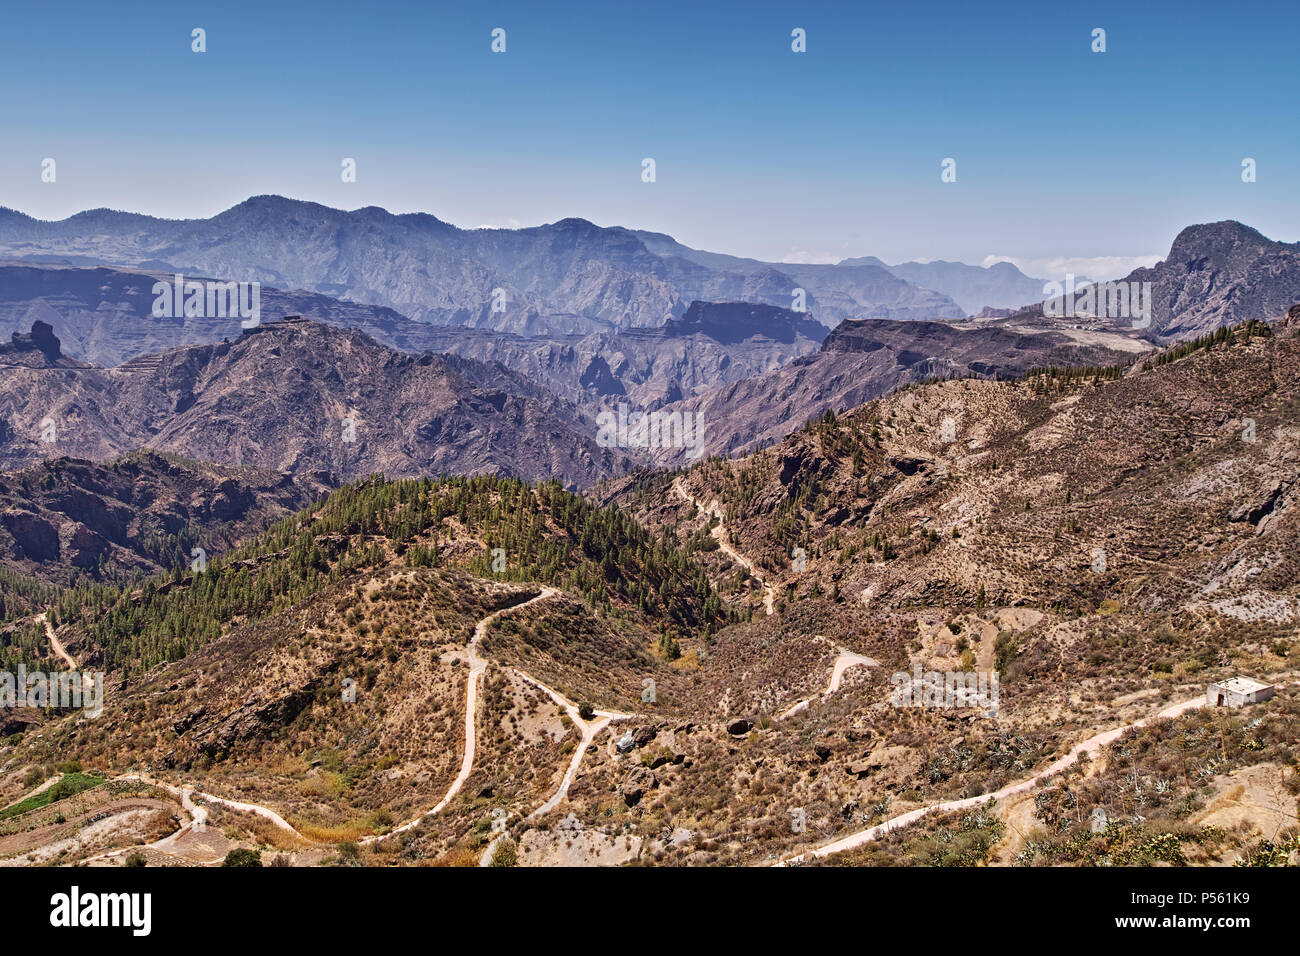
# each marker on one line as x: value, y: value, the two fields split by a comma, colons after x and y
x: 636, y: 784
x: 740, y: 727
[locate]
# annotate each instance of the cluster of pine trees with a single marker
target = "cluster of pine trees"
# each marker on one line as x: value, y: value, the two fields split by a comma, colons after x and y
x: 1242, y: 332
x: 1054, y: 378
x: 544, y: 533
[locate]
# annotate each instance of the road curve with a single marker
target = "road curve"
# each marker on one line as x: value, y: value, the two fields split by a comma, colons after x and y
x: 477, y: 665
x: 1092, y: 743
x: 845, y: 660
x: 588, y: 732
x: 724, y: 543
x: 60, y: 651
x: 198, y: 818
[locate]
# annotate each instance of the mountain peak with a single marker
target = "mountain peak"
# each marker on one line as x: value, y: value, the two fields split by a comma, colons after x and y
x: 574, y: 224
x: 1201, y: 239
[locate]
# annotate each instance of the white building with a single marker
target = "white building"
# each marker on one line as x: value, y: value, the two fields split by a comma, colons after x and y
x: 1238, y: 692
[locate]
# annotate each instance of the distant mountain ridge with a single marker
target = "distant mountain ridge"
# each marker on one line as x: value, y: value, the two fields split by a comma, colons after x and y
x: 1001, y: 285
x: 569, y: 276
x: 104, y: 317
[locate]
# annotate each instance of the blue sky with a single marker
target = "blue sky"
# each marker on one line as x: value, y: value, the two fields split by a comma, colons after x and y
x: 1062, y: 153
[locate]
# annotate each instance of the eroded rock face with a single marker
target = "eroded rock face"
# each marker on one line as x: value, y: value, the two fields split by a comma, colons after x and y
x: 231, y: 501
x: 81, y: 547
x: 34, y: 538
x: 254, y: 719
x: 66, y: 514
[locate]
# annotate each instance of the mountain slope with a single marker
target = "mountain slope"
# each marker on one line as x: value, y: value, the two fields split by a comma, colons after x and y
x: 301, y: 397
x: 104, y: 317
x: 140, y: 514
x: 1106, y: 542
x: 714, y: 342
x: 861, y: 360
x: 1150, y: 467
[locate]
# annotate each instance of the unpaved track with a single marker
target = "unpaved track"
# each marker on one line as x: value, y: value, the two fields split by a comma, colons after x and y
x: 1093, y: 743
x: 724, y: 543
x: 55, y: 643
x: 198, y: 815
x: 198, y: 819
x: 588, y: 731
x: 477, y: 665
x: 201, y: 815
x: 845, y: 660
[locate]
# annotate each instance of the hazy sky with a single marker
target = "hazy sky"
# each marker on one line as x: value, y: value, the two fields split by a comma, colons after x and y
x: 1061, y: 153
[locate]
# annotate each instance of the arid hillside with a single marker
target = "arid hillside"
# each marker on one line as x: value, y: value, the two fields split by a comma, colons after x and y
x: 705, y: 666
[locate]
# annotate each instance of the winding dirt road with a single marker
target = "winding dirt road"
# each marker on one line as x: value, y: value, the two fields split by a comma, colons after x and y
x: 589, y: 732
x: 846, y: 660
x: 477, y: 665
x: 1093, y: 743
x: 60, y: 651
x: 198, y: 819
x: 724, y: 543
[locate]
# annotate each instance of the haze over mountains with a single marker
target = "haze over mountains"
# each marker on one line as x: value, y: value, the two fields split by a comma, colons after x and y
x: 103, y: 316
x: 573, y: 277
x: 755, y: 370
x: 1216, y: 274
x: 568, y: 276
x: 898, y: 492
x: 974, y: 288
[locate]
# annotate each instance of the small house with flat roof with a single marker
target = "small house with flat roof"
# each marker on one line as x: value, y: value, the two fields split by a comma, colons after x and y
x: 1238, y: 692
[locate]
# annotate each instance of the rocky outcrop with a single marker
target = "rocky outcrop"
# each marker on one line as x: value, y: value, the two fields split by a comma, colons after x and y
x: 254, y: 719
x: 34, y: 538
x: 1216, y: 274
x: 41, y: 339
x: 81, y: 547
x: 638, y: 782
